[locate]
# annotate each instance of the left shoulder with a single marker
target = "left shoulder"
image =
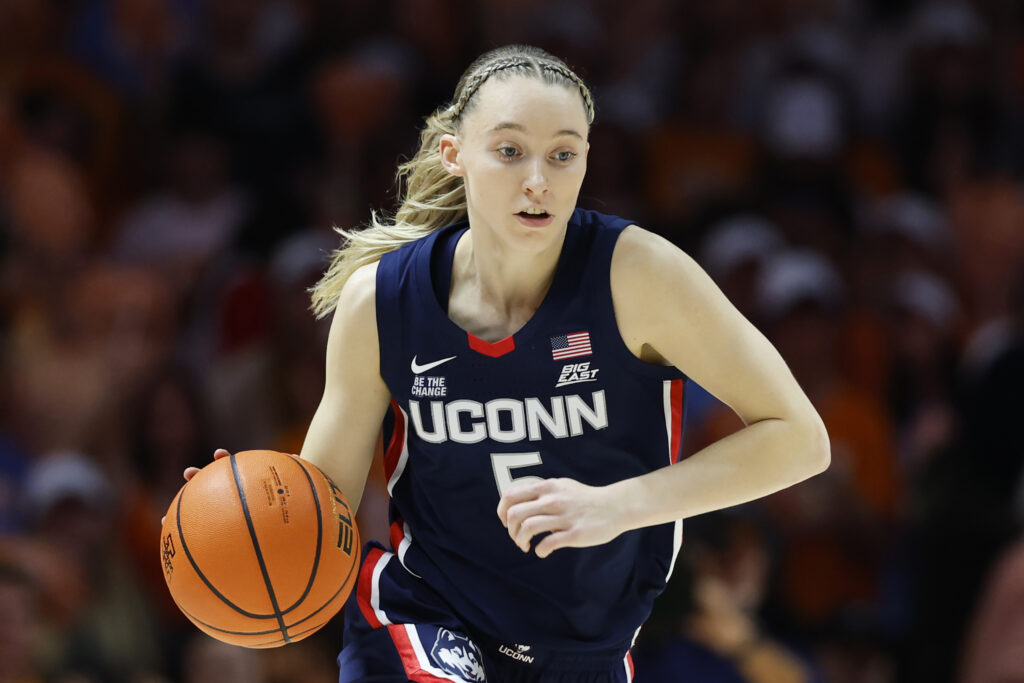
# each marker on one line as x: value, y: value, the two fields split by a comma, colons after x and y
x: 644, y: 262
x: 657, y: 291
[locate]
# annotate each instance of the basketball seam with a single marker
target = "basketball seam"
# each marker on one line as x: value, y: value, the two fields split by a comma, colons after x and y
x: 299, y: 635
x: 199, y: 572
x: 259, y: 552
x: 319, y: 536
x: 273, y: 630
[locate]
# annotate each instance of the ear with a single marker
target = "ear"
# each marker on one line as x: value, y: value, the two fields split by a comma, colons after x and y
x: 450, y: 151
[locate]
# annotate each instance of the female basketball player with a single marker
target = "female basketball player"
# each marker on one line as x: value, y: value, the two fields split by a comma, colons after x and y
x: 528, y: 360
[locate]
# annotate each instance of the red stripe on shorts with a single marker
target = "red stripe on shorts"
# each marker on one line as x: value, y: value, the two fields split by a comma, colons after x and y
x: 397, y: 533
x: 365, y: 590
x: 413, y: 668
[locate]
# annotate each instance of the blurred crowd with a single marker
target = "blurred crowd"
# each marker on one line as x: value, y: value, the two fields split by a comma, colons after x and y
x: 851, y: 173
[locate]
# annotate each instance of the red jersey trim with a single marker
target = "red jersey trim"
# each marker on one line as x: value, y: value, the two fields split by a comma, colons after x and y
x: 492, y: 349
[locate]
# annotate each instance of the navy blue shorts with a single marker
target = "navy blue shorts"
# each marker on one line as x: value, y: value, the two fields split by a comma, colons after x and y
x: 397, y: 629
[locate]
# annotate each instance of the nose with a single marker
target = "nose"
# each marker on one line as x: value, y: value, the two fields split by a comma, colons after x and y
x: 535, y: 182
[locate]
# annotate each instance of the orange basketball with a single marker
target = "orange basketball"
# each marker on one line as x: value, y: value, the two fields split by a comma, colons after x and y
x: 260, y: 549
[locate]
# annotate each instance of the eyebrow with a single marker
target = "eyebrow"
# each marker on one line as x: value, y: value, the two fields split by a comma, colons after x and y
x: 509, y: 125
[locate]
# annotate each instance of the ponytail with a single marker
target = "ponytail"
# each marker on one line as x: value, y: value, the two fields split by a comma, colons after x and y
x: 432, y: 198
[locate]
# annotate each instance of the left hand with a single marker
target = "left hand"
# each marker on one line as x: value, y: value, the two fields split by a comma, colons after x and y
x: 577, y: 515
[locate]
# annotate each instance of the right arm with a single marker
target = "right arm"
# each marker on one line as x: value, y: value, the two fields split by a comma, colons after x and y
x: 343, y: 433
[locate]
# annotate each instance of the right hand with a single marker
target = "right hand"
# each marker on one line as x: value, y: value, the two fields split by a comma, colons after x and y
x: 191, y: 471
x: 217, y: 455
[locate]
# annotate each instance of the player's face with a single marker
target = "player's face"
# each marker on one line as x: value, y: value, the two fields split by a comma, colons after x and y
x: 522, y: 152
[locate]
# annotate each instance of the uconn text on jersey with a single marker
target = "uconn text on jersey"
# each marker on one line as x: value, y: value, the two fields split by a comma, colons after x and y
x: 508, y: 420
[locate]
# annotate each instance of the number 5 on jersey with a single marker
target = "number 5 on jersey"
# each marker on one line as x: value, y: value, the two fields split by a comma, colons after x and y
x: 504, y: 463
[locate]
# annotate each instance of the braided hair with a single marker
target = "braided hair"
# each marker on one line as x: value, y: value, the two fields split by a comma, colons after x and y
x: 517, y: 60
x: 430, y: 197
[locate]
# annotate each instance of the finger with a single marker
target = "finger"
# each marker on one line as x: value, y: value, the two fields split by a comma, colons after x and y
x: 519, y: 493
x: 520, y: 512
x: 163, y: 519
x: 554, y: 541
x: 536, y: 525
x: 190, y: 472
x: 220, y: 453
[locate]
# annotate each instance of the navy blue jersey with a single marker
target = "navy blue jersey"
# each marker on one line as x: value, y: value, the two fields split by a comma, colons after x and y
x: 562, y: 397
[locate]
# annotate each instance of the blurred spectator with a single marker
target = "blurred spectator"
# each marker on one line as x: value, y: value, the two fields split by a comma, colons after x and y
x: 994, y: 368
x: 717, y: 38
x: 705, y: 626
x: 802, y: 183
x: 245, y: 81
x: 52, y: 218
x: 168, y: 432
x: 851, y: 654
x: 360, y: 103
x: 19, y: 626
x: 922, y: 388
x: 898, y: 233
x: 803, y: 119
x: 992, y: 648
x: 439, y: 33
x: 15, y: 458
x: 181, y: 229
x: 211, y: 661
x: 48, y: 240
x: 986, y: 216
x: 110, y: 326
x: 60, y: 107
x: 966, y: 497
x: 914, y: 227
x: 953, y: 125
x: 637, y: 90
x: 110, y: 632
x: 309, y: 661
x: 132, y: 44
x: 690, y: 167
x: 298, y: 340
x: 733, y: 253
x: 294, y: 267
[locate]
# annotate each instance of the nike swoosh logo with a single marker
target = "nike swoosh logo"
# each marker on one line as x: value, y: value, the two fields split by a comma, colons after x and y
x: 417, y: 369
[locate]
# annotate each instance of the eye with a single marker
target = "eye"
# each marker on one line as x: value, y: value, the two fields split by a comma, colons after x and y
x: 507, y: 152
x: 565, y: 156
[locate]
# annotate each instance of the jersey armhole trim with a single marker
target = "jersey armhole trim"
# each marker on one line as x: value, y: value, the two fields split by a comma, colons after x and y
x: 385, y: 303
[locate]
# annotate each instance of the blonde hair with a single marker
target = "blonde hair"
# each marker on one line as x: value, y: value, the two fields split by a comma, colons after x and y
x: 430, y: 197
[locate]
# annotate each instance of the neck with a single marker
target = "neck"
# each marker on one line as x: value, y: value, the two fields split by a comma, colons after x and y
x: 502, y: 276
x: 496, y: 289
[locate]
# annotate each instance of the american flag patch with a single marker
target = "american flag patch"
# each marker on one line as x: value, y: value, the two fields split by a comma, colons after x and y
x: 570, y: 345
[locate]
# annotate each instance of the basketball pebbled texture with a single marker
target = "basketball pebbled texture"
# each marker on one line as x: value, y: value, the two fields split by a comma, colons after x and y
x: 260, y: 549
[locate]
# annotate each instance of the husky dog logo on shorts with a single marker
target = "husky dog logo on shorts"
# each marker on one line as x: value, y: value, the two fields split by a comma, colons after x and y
x: 456, y: 654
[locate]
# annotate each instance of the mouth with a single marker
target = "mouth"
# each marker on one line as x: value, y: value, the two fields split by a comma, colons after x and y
x: 534, y: 218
